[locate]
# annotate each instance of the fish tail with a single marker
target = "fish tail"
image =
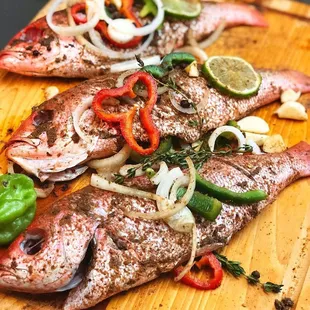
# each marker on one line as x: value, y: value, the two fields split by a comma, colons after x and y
x: 300, y: 154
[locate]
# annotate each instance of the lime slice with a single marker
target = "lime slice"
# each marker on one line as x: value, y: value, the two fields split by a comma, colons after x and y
x: 182, y: 8
x: 232, y: 75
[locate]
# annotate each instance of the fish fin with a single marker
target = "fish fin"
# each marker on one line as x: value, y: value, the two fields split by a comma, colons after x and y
x: 301, y: 153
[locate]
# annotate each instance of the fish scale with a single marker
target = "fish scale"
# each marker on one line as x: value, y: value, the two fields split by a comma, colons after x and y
x: 65, y: 159
x: 127, y: 252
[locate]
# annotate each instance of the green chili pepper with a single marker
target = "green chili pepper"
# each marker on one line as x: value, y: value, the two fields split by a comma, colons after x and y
x: 17, y: 205
x: 203, y: 205
x: 17, y: 194
x: 172, y: 59
x: 156, y: 71
x: 164, y: 146
x: 9, y: 231
x: 225, y: 195
x: 148, y: 8
x: 150, y: 172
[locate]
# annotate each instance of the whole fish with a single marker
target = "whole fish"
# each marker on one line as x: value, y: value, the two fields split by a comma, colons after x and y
x: 37, y: 50
x: 47, y: 145
x: 128, y: 252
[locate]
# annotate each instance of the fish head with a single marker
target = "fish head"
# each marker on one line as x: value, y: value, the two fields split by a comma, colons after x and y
x: 31, y: 50
x: 37, y: 50
x: 48, y: 256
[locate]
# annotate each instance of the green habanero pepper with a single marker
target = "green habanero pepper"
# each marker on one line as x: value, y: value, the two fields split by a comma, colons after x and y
x: 206, y: 206
x: 17, y: 194
x: 148, y: 8
x: 164, y: 146
x: 225, y: 195
x: 9, y: 231
x: 173, y: 59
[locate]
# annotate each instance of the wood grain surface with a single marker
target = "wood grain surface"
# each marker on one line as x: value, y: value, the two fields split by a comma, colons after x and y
x: 277, y: 242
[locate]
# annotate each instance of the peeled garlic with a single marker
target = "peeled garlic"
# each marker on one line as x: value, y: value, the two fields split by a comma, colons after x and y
x: 290, y: 95
x: 292, y: 110
x: 253, y: 124
x: 50, y: 92
x: 192, y: 69
x: 274, y: 144
x: 257, y: 138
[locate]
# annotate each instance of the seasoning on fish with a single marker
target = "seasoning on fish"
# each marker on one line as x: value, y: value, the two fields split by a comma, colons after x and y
x: 37, y: 50
x: 48, y: 146
x: 128, y: 252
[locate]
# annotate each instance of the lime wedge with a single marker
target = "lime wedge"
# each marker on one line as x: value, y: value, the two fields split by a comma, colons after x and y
x: 232, y: 75
x: 182, y: 8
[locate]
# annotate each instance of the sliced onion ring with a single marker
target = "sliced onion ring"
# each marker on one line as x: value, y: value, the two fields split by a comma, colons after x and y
x: 141, y: 31
x: 44, y: 192
x: 133, y: 64
x: 163, y: 170
x: 139, y: 171
x: 189, y: 110
x: 114, y: 161
x: 214, y: 36
x: 190, y: 262
x: 72, y: 30
x: 11, y: 167
x: 255, y: 148
x: 217, y: 132
x: 76, y: 116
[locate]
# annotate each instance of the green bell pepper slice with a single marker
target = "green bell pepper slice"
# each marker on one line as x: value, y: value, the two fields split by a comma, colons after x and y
x: 9, y: 231
x: 17, y: 194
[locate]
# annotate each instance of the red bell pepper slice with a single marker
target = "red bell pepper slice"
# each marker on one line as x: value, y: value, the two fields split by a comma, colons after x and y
x: 79, y: 16
x: 210, y: 284
x: 125, y: 119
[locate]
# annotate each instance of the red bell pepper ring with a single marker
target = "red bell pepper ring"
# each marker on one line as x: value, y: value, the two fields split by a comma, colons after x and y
x: 125, y: 119
x: 79, y: 16
x: 210, y: 284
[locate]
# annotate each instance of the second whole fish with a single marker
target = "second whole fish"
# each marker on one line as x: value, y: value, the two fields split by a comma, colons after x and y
x: 126, y: 252
x: 47, y: 145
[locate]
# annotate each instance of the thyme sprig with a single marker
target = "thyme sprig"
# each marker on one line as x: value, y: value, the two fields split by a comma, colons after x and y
x: 179, y: 158
x: 236, y: 270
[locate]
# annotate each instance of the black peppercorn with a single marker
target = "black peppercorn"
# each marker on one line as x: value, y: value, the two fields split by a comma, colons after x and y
x: 255, y: 274
x: 185, y: 104
x: 35, y: 53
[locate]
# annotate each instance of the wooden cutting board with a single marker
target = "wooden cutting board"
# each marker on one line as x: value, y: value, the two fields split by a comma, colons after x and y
x: 277, y: 242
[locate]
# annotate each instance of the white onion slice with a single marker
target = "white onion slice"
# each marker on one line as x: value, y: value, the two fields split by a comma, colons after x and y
x: 133, y: 64
x: 143, y: 92
x: 44, y: 192
x: 189, y: 110
x: 114, y: 161
x: 76, y: 116
x: 190, y: 262
x: 182, y: 181
x: 171, y: 210
x: 122, y: 77
x: 255, y: 148
x: 164, y: 186
x: 141, y: 31
x: 199, y: 53
x: 163, y: 170
x: 139, y: 171
x: 214, y: 36
x: 72, y: 30
x: 217, y: 132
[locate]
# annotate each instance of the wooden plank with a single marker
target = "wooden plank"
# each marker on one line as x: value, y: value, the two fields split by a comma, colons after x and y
x: 276, y: 243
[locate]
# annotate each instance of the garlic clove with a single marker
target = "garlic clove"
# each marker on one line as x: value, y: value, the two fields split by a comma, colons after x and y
x: 253, y: 124
x: 292, y: 110
x: 290, y: 95
x: 192, y: 69
x: 257, y: 138
x: 274, y: 144
x: 50, y: 92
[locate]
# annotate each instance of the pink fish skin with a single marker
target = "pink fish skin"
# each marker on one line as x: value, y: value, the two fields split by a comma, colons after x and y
x: 128, y: 252
x: 45, y: 144
x: 37, y: 50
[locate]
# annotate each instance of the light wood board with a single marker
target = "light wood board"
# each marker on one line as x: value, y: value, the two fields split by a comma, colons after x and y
x: 277, y: 242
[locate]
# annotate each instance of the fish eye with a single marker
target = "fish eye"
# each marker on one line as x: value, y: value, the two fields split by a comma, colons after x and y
x: 33, y: 241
